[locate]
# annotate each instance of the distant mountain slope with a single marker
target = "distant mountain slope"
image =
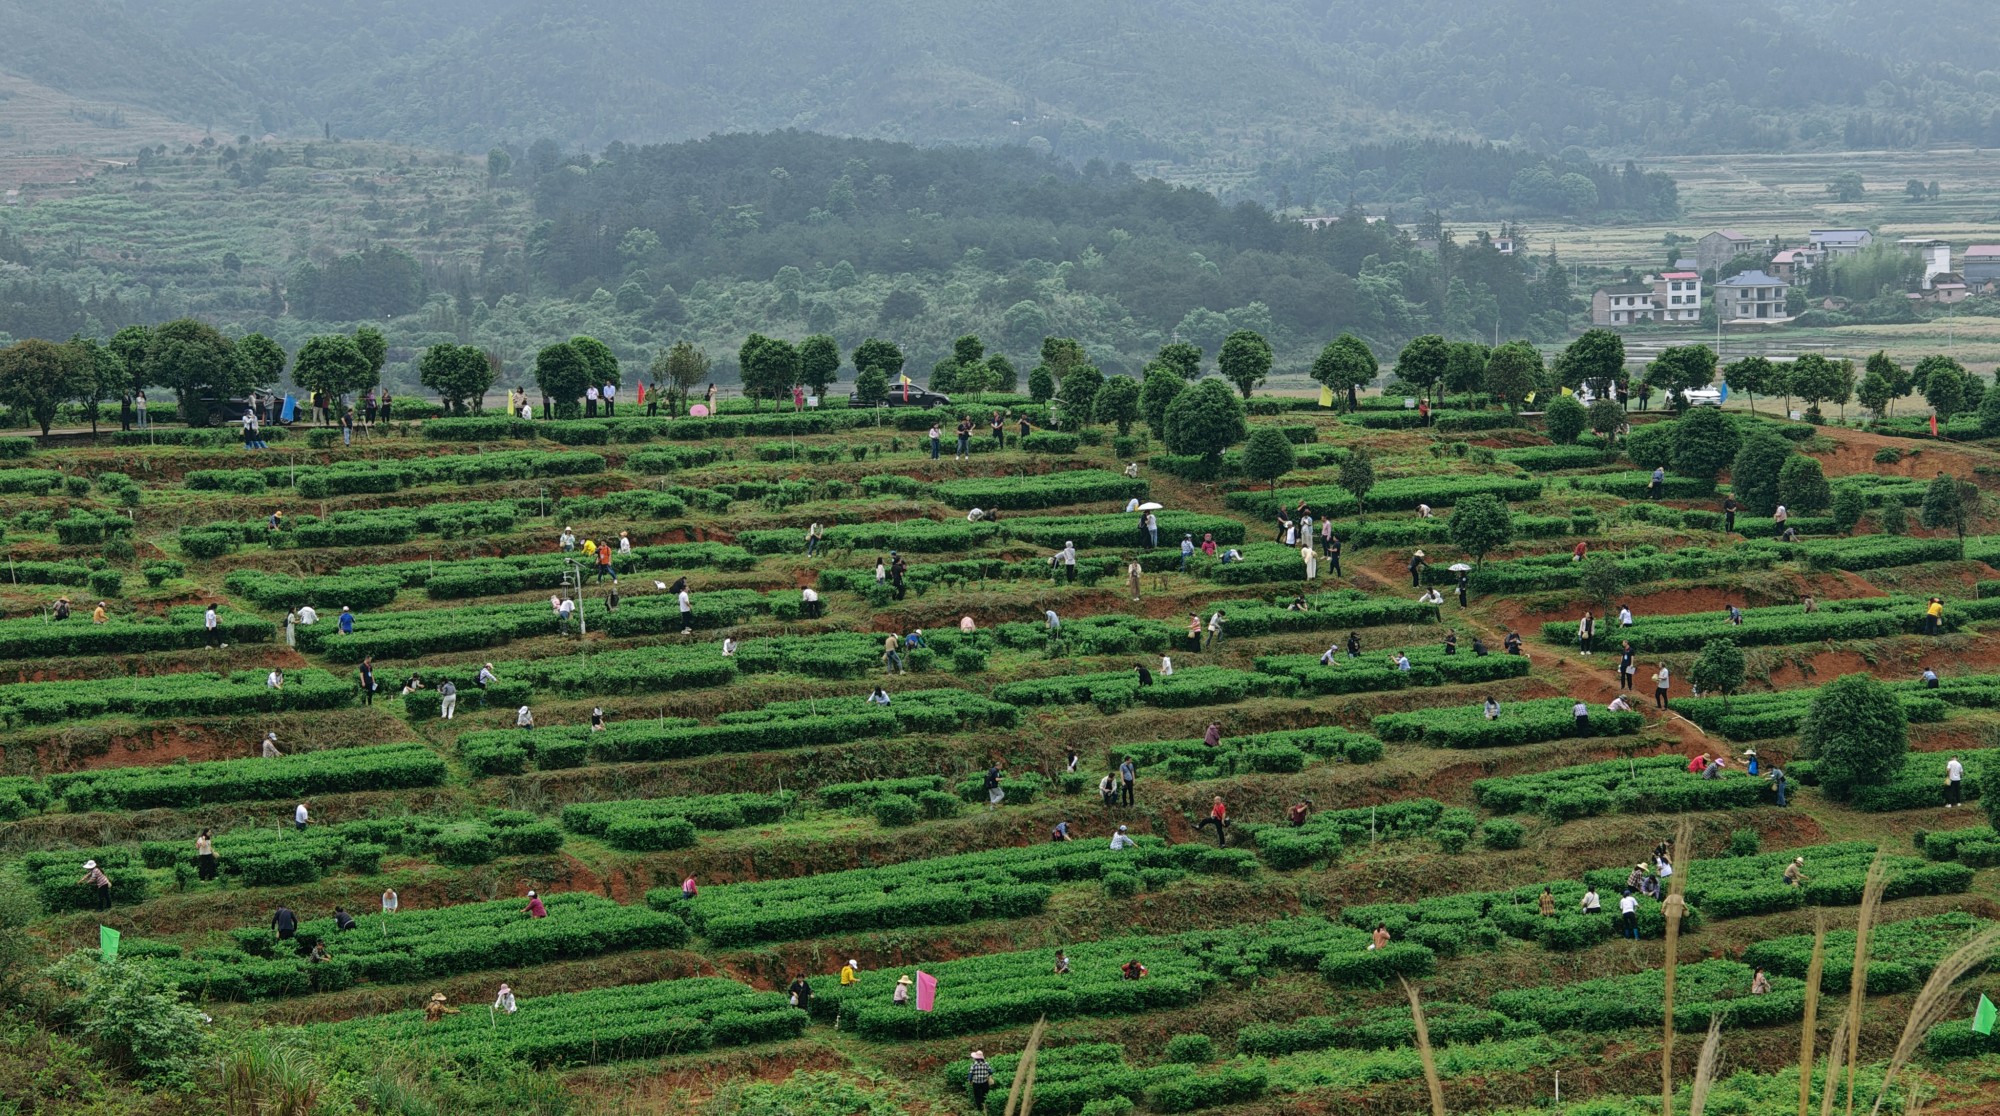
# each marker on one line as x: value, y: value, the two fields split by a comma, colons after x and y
x: 1144, y: 80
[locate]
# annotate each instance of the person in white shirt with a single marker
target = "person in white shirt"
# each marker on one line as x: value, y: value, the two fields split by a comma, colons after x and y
x: 1619, y: 705
x: 1120, y: 840
x: 390, y: 901
x: 687, y: 612
x: 728, y: 647
x: 275, y: 680
x: 486, y: 677
x: 1624, y: 616
x: 1954, y: 775
x: 300, y: 817
x: 624, y: 543
x: 1628, y: 914
x: 504, y: 1002
x: 527, y: 412
x: 1590, y: 902
x: 809, y: 603
x: 590, y: 403
x: 271, y: 746
x: 524, y: 719
x: 1166, y: 666
x: 1582, y: 714
x: 1311, y: 560
x: 610, y: 395
x: 209, y: 621
x: 307, y: 615
x: 1492, y: 710
x: 1132, y: 505
x: 1660, y: 681
x: 1402, y: 662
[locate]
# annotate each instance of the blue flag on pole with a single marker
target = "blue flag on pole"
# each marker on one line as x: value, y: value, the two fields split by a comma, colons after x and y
x: 1725, y: 391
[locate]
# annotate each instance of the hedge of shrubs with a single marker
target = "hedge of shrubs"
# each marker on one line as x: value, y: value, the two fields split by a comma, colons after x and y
x: 1760, y: 716
x: 48, y: 573
x: 586, y: 1028
x: 1860, y: 618
x: 1090, y: 635
x: 923, y: 536
x: 1048, y: 490
x: 1442, y: 419
x: 1429, y: 666
x: 1379, y: 1029
x: 1638, y: 485
x: 1113, y: 690
x: 1641, y: 565
x: 1326, y: 833
x: 1867, y: 552
x: 1977, y: 846
x: 327, y: 594
x: 1735, y: 887
x: 1003, y: 989
x: 507, y: 752
x: 1901, y: 954
x: 1920, y: 785
x: 400, y: 635
x: 1088, y: 1077
x: 1656, y: 784
x: 1702, y: 990
x: 170, y: 695
x: 1519, y: 722
x: 939, y: 891
x: 29, y: 482
x: 1121, y: 530
x: 181, y: 628
x: 1283, y: 750
x: 356, y: 477
x: 422, y: 944
x: 1399, y: 494
x: 929, y: 711
x: 640, y: 823
x: 376, y: 767
x: 272, y: 857
x: 21, y: 795
x: 1469, y: 922
x: 1549, y: 459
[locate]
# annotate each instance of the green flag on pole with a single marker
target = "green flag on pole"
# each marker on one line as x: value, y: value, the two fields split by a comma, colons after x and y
x: 1982, y: 1018
x: 107, y: 943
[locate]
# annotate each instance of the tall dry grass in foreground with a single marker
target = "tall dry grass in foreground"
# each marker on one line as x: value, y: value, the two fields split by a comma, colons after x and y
x: 1934, y: 1002
x: 1023, y: 1091
x: 1675, y: 906
x: 1814, y: 970
x: 1424, y: 1051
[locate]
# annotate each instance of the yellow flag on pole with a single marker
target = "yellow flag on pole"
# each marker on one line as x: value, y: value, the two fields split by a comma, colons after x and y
x: 1325, y: 396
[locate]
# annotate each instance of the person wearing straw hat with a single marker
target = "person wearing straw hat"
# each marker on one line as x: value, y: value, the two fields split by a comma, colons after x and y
x: 436, y: 1009
x: 901, y: 997
x: 504, y: 1002
x: 980, y: 1076
x: 1417, y: 563
x: 95, y: 877
x: 1795, y: 871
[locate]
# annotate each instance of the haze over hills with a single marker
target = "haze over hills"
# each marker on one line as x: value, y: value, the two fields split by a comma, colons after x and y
x: 1150, y: 81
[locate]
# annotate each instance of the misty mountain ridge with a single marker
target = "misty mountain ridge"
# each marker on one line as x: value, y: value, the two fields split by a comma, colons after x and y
x: 1148, y: 81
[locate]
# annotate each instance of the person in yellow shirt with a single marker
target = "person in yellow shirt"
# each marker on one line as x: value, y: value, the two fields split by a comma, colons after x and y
x: 97, y: 615
x: 850, y: 973
x: 589, y: 548
x: 1934, y: 617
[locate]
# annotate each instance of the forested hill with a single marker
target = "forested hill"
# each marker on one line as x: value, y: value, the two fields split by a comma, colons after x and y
x: 1141, y: 80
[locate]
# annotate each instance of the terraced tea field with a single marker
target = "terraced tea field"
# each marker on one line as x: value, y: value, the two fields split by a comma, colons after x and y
x: 702, y: 807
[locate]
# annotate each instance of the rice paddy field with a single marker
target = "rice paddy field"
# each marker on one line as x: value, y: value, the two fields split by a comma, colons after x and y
x: 703, y: 862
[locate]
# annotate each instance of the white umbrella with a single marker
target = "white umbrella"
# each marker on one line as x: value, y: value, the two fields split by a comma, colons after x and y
x: 1150, y: 506
x: 1459, y: 567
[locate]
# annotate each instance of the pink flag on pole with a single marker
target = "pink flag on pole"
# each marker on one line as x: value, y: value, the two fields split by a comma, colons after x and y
x: 926, y: 991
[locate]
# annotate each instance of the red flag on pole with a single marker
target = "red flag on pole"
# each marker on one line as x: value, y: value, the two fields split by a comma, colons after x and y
x: 926, y: 991
x: 1933, y: 424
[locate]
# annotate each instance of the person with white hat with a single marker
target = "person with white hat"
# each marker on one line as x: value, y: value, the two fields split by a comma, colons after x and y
x: 95, y: 877
x: 901, y: 997
x: 980, y: 1077
x: 270, y: 748
x: 850, y: 973
x: 534, y: 909
x: 1122, y: 840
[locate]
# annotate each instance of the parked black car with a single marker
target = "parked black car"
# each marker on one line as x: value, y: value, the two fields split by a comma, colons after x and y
x: 918, y: 397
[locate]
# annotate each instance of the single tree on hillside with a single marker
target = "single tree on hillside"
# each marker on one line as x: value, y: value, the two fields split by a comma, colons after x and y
x: 1858, y: 732
x: 1268, y: 455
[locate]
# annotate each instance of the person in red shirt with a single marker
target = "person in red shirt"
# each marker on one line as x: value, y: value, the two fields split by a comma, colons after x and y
x: 534, y: 909
x: 1132, y: 969
x: 1697, y: 764
x: 1301, y: 811
x: 1218, y: 816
